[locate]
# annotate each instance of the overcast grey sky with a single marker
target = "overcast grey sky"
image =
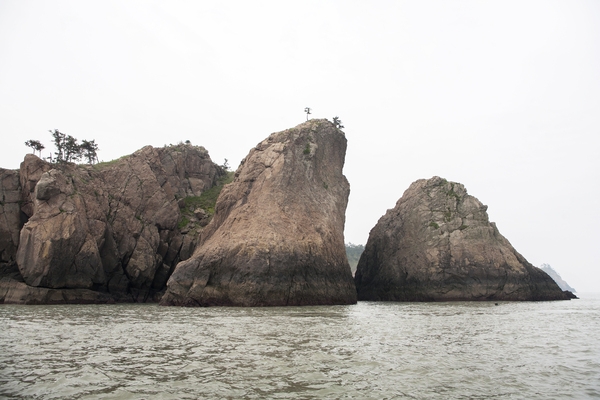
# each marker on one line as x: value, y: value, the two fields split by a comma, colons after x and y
x: 502, y: 96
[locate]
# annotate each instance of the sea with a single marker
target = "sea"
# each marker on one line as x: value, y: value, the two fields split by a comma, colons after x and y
x: 371, y: 350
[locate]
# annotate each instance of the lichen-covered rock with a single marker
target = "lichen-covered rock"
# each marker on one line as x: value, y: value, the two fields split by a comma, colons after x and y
x: 276, y: 238
x: 437, y: 244
x: 110, y: 228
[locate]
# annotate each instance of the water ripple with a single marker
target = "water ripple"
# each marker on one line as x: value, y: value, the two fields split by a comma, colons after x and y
x: 366, y: 351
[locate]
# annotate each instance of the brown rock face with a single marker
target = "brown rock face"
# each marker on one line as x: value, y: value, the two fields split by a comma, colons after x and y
x: 30, y: 173
x: 437, y: 244
x: 13, y: 291
x: 110, y: 229
x: 277, y: 235
x: 10, y: 219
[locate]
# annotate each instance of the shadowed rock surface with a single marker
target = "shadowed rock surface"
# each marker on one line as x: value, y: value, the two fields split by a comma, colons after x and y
x: 277, y: 235
x: 103, y: 233
x: 437, y: 244
x: 11, y: 220
x: 13, y: 291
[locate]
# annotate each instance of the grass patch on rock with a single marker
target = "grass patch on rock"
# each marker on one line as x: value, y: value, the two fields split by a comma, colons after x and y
x: 206, y: 201
x: 106, y: 164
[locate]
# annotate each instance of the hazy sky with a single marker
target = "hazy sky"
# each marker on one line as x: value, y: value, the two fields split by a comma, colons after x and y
x: 502, y: 96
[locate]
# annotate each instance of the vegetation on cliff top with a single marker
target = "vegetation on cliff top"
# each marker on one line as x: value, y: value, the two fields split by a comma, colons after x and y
x: 68, y: 149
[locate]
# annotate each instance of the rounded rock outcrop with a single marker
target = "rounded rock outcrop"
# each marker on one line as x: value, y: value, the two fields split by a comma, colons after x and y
x: 109, y: 232
x: 437, y: 244
x: 276, y: 238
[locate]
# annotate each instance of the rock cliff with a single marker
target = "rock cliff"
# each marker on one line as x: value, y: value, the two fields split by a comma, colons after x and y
x: 276, y: 238
x: 11, y: 219
x: 437, y: 244
x: 102, y: 233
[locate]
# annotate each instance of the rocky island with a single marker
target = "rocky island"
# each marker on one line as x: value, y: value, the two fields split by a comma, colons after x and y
x: 111, y: 232
x: 437, y: 244
x: 276, y: 238
x: 149, y: 227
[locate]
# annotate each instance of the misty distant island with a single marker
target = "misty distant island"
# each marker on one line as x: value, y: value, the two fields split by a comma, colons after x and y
x: 557, y: 278
x: 168, y: 225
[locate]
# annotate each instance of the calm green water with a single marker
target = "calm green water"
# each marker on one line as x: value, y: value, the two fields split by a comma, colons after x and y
x: 368, y: 351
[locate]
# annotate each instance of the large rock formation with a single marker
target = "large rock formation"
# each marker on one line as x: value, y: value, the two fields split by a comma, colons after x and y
x: 109, y: 232
x: 437, y: 244
x: 11, y: 219
x: 277, y: 235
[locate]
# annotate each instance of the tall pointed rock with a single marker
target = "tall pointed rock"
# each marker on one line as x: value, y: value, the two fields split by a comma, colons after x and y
x: 276, y: 238
x: 437, y: 244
